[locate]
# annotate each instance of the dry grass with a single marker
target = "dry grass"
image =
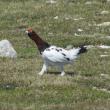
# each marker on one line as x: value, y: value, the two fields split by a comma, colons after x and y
x: 86, y: 88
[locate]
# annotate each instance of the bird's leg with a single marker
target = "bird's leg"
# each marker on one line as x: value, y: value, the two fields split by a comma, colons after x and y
x: 62, y: 71
x: 44, y: 69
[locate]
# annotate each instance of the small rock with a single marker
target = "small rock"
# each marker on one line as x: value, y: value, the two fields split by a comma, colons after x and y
x: 89, y: 46
x: 51, y: 1
x: 76, y: 19
x: 88, y: 3
x: 104, y: 46
x: 76, y: 34
x: 56, y: 17
x: 7, y: 50
x: 104, y: 24
x: 104, y: 75
x: 80, y: 30
x: 104, y: 55
x: 104, y: 12
x: 67, y: 18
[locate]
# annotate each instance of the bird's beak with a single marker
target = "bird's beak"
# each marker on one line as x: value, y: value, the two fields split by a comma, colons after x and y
x: 26, y: 32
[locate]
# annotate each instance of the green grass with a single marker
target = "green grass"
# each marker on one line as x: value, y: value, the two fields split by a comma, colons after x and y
x: 21, y: 88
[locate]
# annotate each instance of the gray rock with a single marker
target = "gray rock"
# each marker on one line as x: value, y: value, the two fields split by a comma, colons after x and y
x: 7, y: 50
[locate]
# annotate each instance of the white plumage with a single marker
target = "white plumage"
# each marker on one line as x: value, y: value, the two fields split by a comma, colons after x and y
x: 54, y: 56
x: 57, y: 55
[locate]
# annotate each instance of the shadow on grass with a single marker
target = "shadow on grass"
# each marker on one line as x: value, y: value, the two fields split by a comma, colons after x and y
x: 66, y: 73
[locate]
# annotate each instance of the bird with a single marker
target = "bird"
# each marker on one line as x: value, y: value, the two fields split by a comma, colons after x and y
x: 53, y: 55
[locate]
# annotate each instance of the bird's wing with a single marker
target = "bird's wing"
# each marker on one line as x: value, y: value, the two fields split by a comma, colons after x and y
x: 56, y: 54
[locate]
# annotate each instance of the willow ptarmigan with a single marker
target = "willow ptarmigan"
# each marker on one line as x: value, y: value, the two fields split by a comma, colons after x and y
x: 53, y: 55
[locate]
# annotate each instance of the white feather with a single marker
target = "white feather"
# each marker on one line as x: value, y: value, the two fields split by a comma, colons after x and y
x: 56, y: 55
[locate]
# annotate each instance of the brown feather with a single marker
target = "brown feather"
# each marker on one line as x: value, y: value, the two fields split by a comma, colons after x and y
x: 41, y: 44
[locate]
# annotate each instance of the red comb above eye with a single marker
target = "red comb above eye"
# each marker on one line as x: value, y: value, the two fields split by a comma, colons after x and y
x: 29, y: 30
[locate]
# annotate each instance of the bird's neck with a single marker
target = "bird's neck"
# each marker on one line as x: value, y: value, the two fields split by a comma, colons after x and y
x: 41, y: 44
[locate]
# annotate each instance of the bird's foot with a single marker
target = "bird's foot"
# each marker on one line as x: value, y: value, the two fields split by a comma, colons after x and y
x: 62, y: 73
x: 44, y: 69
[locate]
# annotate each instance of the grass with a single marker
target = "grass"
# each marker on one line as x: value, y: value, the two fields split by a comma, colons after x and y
x: 87, y: 87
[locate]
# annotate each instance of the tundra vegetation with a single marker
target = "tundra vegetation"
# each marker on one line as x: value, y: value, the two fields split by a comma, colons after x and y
x: 86, y: 86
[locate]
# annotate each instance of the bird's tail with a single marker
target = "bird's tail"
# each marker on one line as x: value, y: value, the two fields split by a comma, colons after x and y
x: 75, y: 52
x: 82, y: 50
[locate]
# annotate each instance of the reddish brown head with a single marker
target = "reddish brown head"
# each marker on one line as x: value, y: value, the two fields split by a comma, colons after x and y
x: 31, y: 33
x: 42, y: 45
x: 29, y: 30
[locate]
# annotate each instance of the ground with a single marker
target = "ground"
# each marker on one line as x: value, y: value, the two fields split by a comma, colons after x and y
x: 86, y: 86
